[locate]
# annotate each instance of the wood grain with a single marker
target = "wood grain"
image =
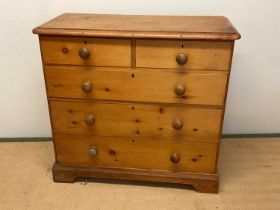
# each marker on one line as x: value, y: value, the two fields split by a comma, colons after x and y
x: 201, y: 55
x: 140, y: 153
x: 136, y: 120
x: 145, y: 85
x: 205, y: 183
x: 122, y: 98
x: 103, y: 52
x: 140, y: 26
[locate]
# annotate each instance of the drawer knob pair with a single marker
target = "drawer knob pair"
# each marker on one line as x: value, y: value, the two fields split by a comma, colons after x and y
x: 181, y: 58
x: 93, y: 152
x: 180, y: 90
x: 175, y: 158
x: 86, y: 87
x: 90, y: 120
x: 84, y: 53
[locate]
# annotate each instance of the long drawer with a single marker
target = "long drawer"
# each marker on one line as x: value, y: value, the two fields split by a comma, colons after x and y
x: 136, y: 153
x: 207, y: 88
x: 191, y: 54
x: 86, y: 51
x: 175, y: 123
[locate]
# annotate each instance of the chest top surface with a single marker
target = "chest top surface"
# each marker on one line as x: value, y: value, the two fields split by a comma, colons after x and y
x: 140, y: 26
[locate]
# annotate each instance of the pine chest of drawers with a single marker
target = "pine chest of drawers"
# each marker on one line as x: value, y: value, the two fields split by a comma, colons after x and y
x: 137, y: 97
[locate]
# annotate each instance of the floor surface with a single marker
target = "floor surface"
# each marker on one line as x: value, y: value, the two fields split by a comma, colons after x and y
x: 249, y: 179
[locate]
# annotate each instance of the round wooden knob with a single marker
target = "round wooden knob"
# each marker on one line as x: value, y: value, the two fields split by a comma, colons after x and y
x: 181, y: 58
x: 175, y: 158
x: 177, y: 124
x: 86, y: 86
x: 93, y: 152
x: 84, y: 53
x: 90, y: 120
x: 179, y: 90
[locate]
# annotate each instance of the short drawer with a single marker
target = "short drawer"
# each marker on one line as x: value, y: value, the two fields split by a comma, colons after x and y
x: 174, y: 123
x: 206, y: 88
x: 136, y: 153
x: 183, y: 54
x: 85, y: 51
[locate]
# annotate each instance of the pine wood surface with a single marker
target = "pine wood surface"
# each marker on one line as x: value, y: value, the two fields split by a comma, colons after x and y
x: 201, y: 54
x: 137, y: 121
x: 201, y: 182
x: 140, y: 26
x: 249, y: 179
x: 103, y: 52
x: 145, y: 85
x: 130, y: 84
x: 127, y: 152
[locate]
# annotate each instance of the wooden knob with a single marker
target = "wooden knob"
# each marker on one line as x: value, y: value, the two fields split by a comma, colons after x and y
x: 93, y: 152
x: 86, y: 86
x: 90, y: 120
x: 84, y: 53
x: 175, y: 158
x: 181, y: 58
x: 177, y: 124
x: 179, y: 90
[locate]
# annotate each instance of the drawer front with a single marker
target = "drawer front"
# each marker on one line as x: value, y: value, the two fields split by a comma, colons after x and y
x: 176, y: 123
x: 136, y: 153
x: 194, y: 54
x: 86, y: 51
x: 206, y: 88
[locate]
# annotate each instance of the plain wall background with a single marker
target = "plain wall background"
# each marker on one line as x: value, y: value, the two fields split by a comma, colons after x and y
x: 253, y: 100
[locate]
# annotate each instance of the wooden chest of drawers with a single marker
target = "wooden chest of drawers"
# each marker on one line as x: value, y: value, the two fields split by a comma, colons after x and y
x: 137, y: 97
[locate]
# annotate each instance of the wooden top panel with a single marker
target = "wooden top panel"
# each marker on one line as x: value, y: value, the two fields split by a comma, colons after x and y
x: 140, y: 26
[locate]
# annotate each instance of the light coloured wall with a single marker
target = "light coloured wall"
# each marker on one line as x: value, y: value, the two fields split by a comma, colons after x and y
x: 253, y: 104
